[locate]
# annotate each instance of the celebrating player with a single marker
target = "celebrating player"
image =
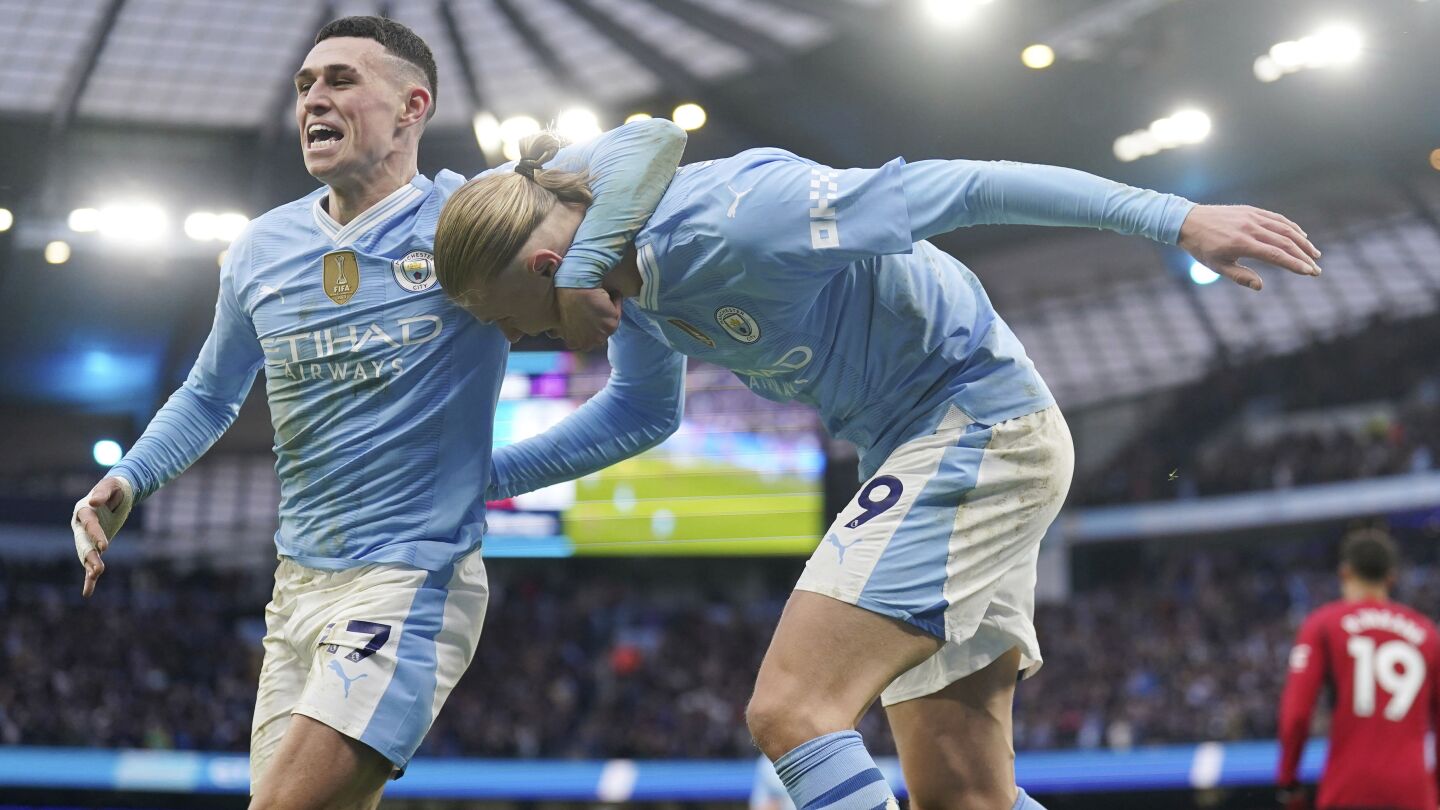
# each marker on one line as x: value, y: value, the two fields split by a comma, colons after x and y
x: 816, y: 284
x: 1380, y: 660
x: 382, y: 394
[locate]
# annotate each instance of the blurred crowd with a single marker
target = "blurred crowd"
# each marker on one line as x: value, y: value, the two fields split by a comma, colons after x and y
x: 1201, y: 444
x: 656, y: 658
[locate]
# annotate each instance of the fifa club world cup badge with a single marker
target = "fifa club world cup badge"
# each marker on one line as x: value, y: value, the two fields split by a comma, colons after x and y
x: 341, y: 275
x: 738, y: 324
x: 416, y: 272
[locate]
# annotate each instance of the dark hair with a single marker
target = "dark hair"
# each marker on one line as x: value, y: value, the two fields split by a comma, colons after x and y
x: 1370, y: 553
x: 398, y: 40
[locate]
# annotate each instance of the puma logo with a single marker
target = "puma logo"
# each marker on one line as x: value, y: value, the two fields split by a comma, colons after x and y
x: 346, y: 679
x: 739, y: 195
x: 834, y: 540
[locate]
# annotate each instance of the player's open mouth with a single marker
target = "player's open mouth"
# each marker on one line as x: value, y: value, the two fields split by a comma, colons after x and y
x: 319, y: 137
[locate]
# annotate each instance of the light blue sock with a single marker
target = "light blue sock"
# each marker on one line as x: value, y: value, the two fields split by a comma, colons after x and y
x: 834, y: 771
x: 1024, y: 802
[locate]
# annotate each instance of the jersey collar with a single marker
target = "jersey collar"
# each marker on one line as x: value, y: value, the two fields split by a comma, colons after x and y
x: 649, y: 297
x: 345, y: 235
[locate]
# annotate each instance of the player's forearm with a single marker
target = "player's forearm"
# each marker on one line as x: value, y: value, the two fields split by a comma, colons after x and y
x: 1288, y: 771
x: 630, y: 168
x: 185, y: 427
x: 615, y: 424
x: 943, y: 195
x: 1294, y: 730
x: 1290, y: 750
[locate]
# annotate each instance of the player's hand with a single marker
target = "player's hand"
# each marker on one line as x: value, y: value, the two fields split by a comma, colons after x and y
x: 1219, y: 236
x: 96, y: 519
x: 1293, y: 797
x: 588, y: 317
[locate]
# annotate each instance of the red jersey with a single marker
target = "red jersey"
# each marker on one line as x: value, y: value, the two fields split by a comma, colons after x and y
x: 1382, y: 662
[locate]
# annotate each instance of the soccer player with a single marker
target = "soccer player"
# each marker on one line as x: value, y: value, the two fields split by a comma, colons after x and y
x: 382, y: 395
x: 1381, y: 662
x: 816, y: 284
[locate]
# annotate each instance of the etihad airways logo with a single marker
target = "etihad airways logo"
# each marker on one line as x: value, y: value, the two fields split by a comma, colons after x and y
x: 333, y: 354
x: 781, y: 379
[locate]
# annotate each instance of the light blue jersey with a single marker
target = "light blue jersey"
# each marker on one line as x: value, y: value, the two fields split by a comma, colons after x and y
x: 816, y: 284
x: 382, y: 392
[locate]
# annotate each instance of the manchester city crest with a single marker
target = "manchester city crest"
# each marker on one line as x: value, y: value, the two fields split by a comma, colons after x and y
x: 416, y: 272
x: 738, y: 324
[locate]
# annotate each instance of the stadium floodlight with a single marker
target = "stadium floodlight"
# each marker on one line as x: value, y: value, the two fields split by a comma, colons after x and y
x: 1166, y: 133
x: 949, y: 13
x: 136, y: 223
x: 512, y: 130
x: 57, y: 252
x: 203, y: 226
x: 689, y: 116
x: 489, y: 136
x: 487, y: 132
x: 639, y: 116
x: 200, y: 226
x: 1038, y: 57
x: 1183, y: 128
x: 1266, y: 70
x: 1126, y: 149
x: 1332, y: 46
x: 7, y: 219
x: 84, y: 220
x: 1202, y: 275
x: 229, y: 226
x: 577, y: 124
x: 107, y: 452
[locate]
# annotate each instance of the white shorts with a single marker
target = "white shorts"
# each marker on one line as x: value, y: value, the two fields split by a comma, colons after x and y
x: 372, y: 652
x: 946, y: 536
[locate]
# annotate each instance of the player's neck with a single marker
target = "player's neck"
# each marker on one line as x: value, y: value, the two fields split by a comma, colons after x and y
x: 1362, y: 592
x: 353, y: 196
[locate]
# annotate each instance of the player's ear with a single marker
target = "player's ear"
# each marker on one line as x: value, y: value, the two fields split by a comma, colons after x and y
x: 417, y: 106
x: 543, y: 261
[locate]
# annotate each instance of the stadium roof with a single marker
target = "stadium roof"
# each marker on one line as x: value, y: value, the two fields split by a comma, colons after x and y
x: 188, y: 103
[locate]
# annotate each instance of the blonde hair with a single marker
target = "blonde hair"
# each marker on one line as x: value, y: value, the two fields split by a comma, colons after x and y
x: 487, y: 220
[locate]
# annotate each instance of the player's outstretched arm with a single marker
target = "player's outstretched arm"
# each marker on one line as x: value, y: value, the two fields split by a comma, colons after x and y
x: 942, y: 195
x: 639, y: 407
x: 182, y: 430
x: 630, y: 167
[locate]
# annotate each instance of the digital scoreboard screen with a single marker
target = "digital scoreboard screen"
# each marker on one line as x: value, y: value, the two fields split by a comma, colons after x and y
x: 742, y: 475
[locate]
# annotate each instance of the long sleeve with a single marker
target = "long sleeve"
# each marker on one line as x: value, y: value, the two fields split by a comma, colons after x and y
x: 798, y: 218
x: 1434, y: 676
x: 630, y: 167
x: 943, y: 195
x: 1308, y: 663
x: 639, y: 407
x: 206, y: 404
